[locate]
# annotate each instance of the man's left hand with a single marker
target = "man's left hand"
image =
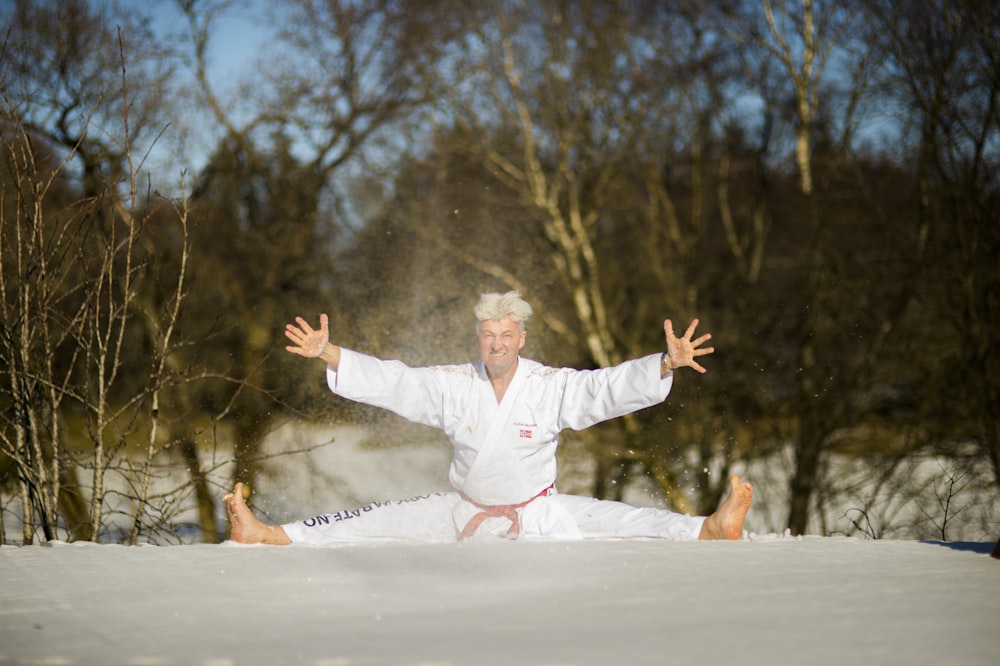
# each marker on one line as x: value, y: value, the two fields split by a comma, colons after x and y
x: 682, y: 351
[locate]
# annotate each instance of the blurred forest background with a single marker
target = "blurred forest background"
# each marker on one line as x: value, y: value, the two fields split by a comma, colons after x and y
x: 816, y: 180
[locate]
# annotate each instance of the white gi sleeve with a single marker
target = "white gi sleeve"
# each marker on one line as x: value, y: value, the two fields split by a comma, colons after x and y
x: 413, y: 393
x: 592, y: 396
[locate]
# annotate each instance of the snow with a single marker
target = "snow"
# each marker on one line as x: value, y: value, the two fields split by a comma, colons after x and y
x: 764, y: 600
x: 769, y: 599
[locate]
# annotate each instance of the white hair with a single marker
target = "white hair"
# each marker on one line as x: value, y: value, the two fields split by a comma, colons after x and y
x: 502, y: 306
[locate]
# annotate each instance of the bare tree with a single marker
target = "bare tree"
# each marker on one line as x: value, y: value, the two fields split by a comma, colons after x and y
x: 63, y: 73
x: 813, y: 55
x: 344, y: 77
x: 91, y: 302
x: 944, y: 75
x: 72, y: 270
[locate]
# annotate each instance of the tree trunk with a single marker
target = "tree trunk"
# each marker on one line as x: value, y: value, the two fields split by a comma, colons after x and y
x: 72, y: 505
x: 206, y: 502
x: 802, y: 484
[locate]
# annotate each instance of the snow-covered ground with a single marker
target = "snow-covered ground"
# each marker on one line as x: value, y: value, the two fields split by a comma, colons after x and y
x: 770, y: 599
x: 763, y: 601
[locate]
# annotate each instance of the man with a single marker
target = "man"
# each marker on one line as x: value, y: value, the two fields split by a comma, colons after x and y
x: 503, y: 416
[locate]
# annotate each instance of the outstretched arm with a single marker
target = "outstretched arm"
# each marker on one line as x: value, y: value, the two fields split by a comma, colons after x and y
x: 682, y: 351
x: 313, y: 343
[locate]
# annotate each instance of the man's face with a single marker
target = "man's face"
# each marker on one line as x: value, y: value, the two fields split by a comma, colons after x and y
x: 499, y: 340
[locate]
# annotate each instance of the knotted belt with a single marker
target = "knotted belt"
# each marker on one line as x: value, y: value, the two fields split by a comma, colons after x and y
x: 508, y: 511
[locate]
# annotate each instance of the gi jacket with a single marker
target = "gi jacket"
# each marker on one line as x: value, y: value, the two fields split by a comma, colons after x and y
x: 504, y: 453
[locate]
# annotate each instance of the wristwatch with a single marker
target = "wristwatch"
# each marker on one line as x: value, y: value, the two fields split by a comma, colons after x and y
x: 665, y: 364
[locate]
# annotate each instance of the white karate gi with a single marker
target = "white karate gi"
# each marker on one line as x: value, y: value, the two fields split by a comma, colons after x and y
x: 504, y: 454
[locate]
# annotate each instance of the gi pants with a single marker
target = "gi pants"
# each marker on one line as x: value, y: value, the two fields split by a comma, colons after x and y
x: 441, y: 517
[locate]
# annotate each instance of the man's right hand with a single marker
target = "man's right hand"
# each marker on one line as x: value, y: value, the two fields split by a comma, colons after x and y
x: 312, y: 343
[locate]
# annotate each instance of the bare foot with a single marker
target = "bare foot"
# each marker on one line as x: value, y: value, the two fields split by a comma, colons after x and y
x: 246, y: 527
x: 727, y: 522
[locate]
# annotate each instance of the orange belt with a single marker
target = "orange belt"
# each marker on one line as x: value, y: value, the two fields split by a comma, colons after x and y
x: 508, y: 511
